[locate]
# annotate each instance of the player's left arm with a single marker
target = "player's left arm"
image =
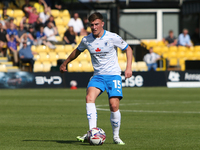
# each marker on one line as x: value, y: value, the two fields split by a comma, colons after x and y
x: 129, y: 56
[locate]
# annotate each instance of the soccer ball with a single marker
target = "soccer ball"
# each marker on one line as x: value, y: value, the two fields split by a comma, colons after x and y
x: 96, y: 136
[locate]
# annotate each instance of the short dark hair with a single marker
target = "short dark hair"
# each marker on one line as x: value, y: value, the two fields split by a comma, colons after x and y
x: 95, y: 16
x: 170, y: 31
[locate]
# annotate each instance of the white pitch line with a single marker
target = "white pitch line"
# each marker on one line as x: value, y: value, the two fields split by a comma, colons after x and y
x: 150, y: 111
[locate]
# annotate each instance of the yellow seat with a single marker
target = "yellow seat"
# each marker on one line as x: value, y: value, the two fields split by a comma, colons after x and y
x: 59, y: 48
x: 172, y: 54
x: 181, y: 54
x: 58, y: 21
x: 65, y: 21
x: 46, y: 66
x: 173, y: 61
x: 181, y: 61
x: 197, y: 48
x: 55, y: 12
x: 65, y: 13
x: 121, y: 56
x: 182, y: 48
x: 197, y: 55
x: 18, y: 13
x: 134, y: 66
x: 190, y: 55
x: 82, y: 56
x: 173, y: 48
x: 160, y: 43
x: 74, y: 66
x: 41, y: 48
x: 62, y: 55
x: 43, y: 56
x: 61, y: 29
x: 53, y: 56
x: 152, y: 43
x: 164, y: 49
x: 122, y: 65
x: 3, y: 68
x: 86, y: 66
x: 38, y: 67
x: 10, y: 12
x: 68, y: 48
x: 157, y: 49
x: 142, y: 66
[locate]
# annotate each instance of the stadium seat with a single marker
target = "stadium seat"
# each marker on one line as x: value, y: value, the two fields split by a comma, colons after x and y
x: 134, y: 66
x: 55, y: 12
x: 3, y: 68
x: 142, y: 66
x: 160, y: 43
x: 181, y: 61
x: 61, y: 29
x: 182, y: 48
x: 164, y: 49
x: 122, y: 64
x: 53, y: 56
x: 74, y: 66
x: 65, y: 13
x: 38, y: 67
x: 157, y: 49
x: 65, y: 21
x: 59, y: 48
x: 181, y: 54
x: 46, y: 66
x: 58, y: 21
x: 152, y: 43
x: 121, y: 56
x: 81, y: 57
x: 165, y: 55
x: 62, y: 55
x: 10, y: 12
x: 197, y: 54
x: 18, y: 13
x: 43, y: 56
x: 173, y: 48
x: 172, y: 54
x: 190, y: 55
x: 86, y: 66
x: 197, y: 48
x: 41, y: 48
x: 68, y: 48
x: 183, y: 67
x: 173, y: 61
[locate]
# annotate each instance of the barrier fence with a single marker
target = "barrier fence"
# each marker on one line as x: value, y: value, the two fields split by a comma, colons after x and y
x: 171, y: 79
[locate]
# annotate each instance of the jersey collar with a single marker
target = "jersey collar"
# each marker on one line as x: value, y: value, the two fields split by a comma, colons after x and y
x: 101, y: 36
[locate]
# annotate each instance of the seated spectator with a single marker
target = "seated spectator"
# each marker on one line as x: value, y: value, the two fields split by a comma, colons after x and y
x: 37, y: 24
x: 41, y: 38
x: 184, y: 39
x: 4, y: 15
x: 195, y: 37
x: 39, y: 6
x: 151, y: 59
x: 26, y: 37
x: 33, y: 14
x: 86, y: 25
x: 2, y: 22
x: 51, y: 19
x: 44, y: 16
x: 77, y: 24
x: 21, y: 30
x: 26, y: 5
x: 26, y: 55
x: 32, y: 32
x: 69, y: 36
x: 170, y: 40
x: 50, y: 31
x: 12, y: 45
x: 12, y: 31
x: 4, y: 37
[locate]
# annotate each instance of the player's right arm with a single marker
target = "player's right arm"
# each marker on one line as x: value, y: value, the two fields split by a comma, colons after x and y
x: 71, y: 57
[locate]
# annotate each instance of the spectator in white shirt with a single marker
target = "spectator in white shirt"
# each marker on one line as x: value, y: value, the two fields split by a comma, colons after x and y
x: 77, y: 24
x: 151, y: 59
x: 45, y: 15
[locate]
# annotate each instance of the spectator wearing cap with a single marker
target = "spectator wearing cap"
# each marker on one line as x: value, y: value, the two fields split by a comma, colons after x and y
x: 26, y: 55
x: 12, y: 45
x: 4, y: 37
x: 12, y: 31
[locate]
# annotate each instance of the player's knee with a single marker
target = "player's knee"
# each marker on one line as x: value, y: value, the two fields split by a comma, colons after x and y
x: 114, y: 107
x: 89, y: 99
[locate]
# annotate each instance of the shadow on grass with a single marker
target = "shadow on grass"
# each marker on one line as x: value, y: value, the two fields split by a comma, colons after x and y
x: 58, y: 141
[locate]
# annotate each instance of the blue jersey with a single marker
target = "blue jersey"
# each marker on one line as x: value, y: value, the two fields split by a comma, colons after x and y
x: 103, y: 52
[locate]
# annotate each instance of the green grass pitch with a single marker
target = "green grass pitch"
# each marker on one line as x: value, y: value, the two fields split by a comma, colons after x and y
x: 50, y: 119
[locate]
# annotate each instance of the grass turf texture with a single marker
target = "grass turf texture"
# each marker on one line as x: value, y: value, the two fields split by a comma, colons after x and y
x: 152, y: 118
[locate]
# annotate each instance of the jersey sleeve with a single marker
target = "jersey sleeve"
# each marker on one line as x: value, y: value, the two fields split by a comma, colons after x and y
x: 119, y: 42
x: 81, y: 47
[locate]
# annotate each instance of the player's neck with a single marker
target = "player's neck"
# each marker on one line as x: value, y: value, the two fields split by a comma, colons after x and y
x: 100, y: 34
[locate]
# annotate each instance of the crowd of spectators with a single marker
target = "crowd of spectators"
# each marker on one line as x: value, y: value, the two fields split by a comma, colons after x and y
x: 37, y: 27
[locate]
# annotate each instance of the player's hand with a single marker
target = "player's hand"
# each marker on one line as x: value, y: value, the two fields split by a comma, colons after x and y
x: 63, y: 68
x: 128, y: 73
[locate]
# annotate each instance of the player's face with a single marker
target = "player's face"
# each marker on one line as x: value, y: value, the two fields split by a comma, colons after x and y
x: 97, y: 27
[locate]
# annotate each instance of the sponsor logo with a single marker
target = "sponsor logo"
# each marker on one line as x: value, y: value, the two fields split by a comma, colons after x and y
x: 40, y: 80
x: 97, y: 50
x: 174, y: 76
x: 195, y: 77
x: 132, y: 81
